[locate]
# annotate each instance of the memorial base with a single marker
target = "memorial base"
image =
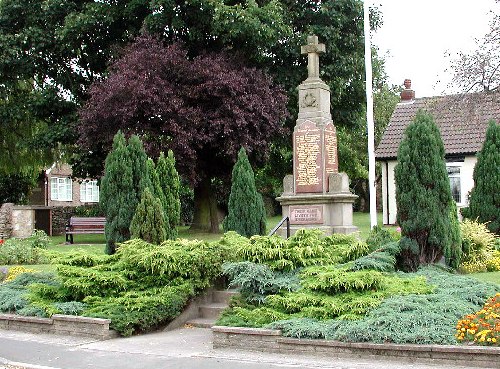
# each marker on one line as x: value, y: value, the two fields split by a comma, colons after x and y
x: 330, y: 212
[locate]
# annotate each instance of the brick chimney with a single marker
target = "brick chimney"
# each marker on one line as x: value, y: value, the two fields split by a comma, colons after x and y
x: 407, y: 94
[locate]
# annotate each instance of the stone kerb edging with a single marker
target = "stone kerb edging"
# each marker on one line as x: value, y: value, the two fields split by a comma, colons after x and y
x: 59, y: 324
x: 254, y: 339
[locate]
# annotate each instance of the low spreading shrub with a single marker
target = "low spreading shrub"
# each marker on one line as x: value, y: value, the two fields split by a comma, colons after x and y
x: 304, y: 248
x: 482, y: 327
x: 139, y: 288
x: 13, y: 272
x: 24, y: 251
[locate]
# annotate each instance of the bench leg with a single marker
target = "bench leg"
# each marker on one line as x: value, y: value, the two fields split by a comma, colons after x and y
x: 71, y: 238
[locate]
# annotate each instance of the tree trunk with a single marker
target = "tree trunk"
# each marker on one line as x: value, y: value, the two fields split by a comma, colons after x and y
x: 205, y: 208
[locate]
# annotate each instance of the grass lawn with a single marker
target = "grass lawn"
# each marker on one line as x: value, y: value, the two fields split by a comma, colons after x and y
x: 488, y: 277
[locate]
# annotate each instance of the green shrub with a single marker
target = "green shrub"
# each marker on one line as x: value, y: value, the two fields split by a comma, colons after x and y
x: 332, y: 280
x: 149, y: 222
x: 423, y: 194
x: 117, y: 197
x: 382, y: 259
x: 246, y: 213
x: 255, y: 281
x: 140, y: 311
x: 24, y: 251
x: 304, y: 248
x: 484, y: 203
x: 170, y: 184
x: 301, y: 328
x: 379, y: 236
x: 243, y: 317
x: 478, y: 245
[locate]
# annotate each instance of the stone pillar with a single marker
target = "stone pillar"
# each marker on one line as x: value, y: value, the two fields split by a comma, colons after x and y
x: 6, y: 221
x: 316, y: 195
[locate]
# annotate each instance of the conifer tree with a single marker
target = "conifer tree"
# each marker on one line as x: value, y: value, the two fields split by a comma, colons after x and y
x: 484, y: 203
x: 246, y: 212
x: 138, y: 160
x: 423, y: 194
x: 117, y: 195
x: 148, y: 221
x: 170, y: 184
x: 157, y: 192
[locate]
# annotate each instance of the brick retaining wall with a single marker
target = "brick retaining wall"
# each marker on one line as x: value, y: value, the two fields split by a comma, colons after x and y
x: 268, y: 340
x: 59, y: 324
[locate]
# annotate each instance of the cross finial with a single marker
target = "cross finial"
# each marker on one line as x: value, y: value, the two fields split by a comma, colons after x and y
x: 312, y: 49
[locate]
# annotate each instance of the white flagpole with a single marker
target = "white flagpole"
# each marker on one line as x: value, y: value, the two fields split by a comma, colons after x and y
x: 369, y: 117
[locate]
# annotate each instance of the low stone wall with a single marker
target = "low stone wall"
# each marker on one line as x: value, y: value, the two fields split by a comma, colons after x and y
x: 59, y: 324
x: 269, y: 340
x: 60, y: 217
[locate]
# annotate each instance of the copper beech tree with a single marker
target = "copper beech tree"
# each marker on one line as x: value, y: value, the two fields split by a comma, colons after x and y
x: 204, y: 109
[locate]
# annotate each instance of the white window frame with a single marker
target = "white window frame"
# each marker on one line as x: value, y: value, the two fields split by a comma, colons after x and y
x: 458, y: 175
x: 89, y: 191
x: 61, y: 189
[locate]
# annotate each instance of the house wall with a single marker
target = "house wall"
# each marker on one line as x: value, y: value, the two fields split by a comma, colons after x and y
x: 466, y: 174
x: 389, y: 186
x: 389, y: 209
x: 63, y: 170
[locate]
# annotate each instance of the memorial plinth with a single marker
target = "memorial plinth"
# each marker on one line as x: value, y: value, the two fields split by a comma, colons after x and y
x: 316, y: 195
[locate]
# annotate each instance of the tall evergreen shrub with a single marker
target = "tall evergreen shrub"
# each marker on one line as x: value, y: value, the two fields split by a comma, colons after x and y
x: 157, y: 192
x: 423, y: 194
x: 138, y: 161
x: 117, y: 196
x: 484, y: 203
x: 246, y: 212
x: 170, y: 184
x: 148, y: 222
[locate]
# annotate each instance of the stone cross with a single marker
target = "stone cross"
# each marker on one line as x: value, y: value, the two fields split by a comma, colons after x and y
x: 312, y: 49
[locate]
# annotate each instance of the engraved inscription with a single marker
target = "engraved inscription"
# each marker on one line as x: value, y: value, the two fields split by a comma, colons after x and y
x: 308, y: 150
x: 308, y: 147
x: 312, y: 214
x: 330, y: 137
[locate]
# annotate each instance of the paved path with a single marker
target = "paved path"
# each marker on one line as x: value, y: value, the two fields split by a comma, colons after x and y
x: 179, y: 349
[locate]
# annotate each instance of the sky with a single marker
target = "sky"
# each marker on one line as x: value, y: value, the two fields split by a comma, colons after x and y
x: 416, y: 34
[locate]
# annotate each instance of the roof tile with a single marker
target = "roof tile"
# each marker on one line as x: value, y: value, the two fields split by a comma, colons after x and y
x: 461, y: 119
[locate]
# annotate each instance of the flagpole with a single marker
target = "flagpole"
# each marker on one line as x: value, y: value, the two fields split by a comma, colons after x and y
x: 369, y: 117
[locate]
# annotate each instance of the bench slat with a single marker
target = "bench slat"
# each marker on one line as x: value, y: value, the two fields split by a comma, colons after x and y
x: 79, y: 225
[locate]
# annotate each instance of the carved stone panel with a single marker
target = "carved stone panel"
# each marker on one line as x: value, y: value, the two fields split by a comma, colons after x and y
x: 308, y: 146
x: 307, y: 214
x: 331, y: 158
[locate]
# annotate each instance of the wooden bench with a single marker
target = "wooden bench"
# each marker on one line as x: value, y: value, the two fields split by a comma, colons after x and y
x: 78, y: 225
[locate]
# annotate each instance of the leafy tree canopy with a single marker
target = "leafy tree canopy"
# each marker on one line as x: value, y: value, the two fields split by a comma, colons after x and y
x: 203, y: 109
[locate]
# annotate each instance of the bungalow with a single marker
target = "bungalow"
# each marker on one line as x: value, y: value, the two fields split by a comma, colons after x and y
x: 462, y: 121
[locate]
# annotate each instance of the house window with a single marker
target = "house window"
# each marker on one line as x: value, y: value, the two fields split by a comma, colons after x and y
x: 89, y: 191
x: 61, y: 189
x: 455, y: 181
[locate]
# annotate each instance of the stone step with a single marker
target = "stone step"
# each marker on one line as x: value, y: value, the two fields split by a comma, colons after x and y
x: 201, y: 323
x: 223, y: 297
x: 212, y: 311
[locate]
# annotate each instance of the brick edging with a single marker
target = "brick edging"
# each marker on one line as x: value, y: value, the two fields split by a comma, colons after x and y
x: 59, y: 324
x: 255, y: 339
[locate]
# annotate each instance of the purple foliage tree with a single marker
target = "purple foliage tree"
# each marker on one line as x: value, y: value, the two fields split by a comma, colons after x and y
x: 203, y: 109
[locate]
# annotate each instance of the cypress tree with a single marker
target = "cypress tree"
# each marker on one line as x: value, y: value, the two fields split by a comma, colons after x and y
x: 246, y: 212
x: 484, y: 202
x: 170, y: 184
x: 138, y: 160
x: 157, y: 192
x: 423, y: 194
x: 148, y: 221
x: 117, y: 197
